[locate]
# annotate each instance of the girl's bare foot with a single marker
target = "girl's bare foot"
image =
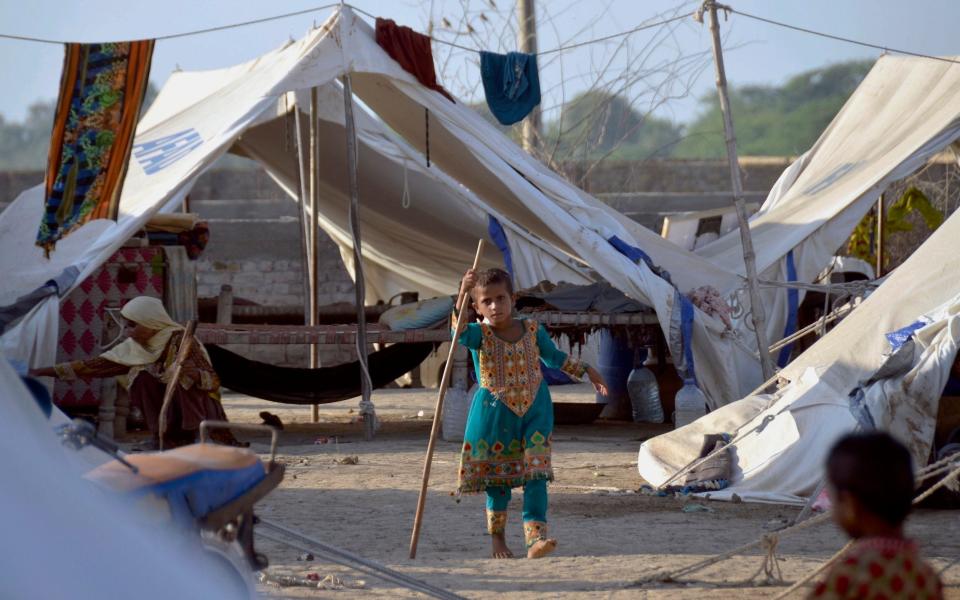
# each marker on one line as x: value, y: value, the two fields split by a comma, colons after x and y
x: 541, y: 548
x: 500, y: 549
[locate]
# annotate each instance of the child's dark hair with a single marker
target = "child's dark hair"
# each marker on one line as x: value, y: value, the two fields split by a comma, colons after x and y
x: 876, y: 469
x: 494, y: 276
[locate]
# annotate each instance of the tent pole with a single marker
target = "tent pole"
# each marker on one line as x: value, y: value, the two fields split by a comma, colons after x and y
x: 366, y: 405
x: 314, y: 238
x: 749, y: 258
x: 305, y: 259
x: 879, y: 237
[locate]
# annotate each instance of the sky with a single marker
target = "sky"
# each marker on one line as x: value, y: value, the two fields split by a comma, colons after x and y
x: 642, y: 64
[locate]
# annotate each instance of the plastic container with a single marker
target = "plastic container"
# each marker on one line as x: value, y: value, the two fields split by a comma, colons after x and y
x: 691, y: 404
x: 644, y: 392
x: 456, y: 408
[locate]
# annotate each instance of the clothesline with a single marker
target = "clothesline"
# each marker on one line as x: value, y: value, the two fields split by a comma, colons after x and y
x: 836, y: 37
x: 363, y: 12
x: 544, y: 52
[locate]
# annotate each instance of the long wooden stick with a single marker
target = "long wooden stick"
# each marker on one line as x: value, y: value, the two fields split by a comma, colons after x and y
x: 185, y: 343
x: 749, y: 257
x: 438, y: 410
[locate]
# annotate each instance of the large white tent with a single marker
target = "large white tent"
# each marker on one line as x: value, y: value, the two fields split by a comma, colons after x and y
x: 850, y: 378
x: 555, y: 230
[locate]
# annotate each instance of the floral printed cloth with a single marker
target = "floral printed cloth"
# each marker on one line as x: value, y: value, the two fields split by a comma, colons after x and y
x: 101, y: 91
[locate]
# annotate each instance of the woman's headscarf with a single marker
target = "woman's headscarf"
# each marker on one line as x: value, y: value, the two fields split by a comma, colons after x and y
x: 150, y: 313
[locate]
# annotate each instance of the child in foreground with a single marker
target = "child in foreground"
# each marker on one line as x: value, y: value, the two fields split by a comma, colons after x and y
x: 871, y: 486
x: 507, y: 439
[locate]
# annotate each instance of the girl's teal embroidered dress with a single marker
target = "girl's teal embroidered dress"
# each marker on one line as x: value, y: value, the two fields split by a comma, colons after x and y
x: 507, y: 438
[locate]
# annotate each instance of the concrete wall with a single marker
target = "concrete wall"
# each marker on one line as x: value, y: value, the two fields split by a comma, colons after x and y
x: 255, y: 243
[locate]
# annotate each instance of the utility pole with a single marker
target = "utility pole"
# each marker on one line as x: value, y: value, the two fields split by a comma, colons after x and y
x: 749, y: 258
x: 527, y: 34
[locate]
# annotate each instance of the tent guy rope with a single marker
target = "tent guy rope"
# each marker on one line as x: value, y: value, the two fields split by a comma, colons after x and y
x: 768, y: 542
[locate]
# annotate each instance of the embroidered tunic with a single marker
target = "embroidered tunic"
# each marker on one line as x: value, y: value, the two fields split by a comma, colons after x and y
x: 507, y: 439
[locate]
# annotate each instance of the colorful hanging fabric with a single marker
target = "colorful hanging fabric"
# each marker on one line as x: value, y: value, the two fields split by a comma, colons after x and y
x: 101, y: 91
x: 412, y: 50
x: 511, y: 83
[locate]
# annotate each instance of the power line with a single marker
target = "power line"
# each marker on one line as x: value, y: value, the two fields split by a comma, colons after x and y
x: 361, y: 11
x: 831, y: 36
x: 560, y: 48
x: 835, y: 37
x: 616, y: 35
x: 171, y: 36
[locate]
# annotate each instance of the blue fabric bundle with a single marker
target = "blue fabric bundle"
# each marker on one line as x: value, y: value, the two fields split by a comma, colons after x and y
x: 511, y: 83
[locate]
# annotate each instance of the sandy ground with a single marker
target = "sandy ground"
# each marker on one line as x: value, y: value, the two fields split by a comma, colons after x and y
x: 609, y: 536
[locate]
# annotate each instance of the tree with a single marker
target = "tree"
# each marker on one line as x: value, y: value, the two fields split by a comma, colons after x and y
x: 769, y: 120
x: 598, y: 124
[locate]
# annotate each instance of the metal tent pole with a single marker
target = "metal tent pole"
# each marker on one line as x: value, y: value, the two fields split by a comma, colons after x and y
x: 302, y: 214
x: 879, y: 273
x: 366, y: 405
x: 314, y: 238
x: 749, y: 257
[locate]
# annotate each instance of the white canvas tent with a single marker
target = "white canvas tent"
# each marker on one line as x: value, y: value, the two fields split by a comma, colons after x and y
x: 849, y: 378
x: 558, y: 231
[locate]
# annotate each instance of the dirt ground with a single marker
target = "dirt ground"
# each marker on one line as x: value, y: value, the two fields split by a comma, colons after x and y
x: 609, y: 536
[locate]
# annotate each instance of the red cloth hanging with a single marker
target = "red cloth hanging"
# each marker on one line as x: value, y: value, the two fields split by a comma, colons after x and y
x: 412, y: 50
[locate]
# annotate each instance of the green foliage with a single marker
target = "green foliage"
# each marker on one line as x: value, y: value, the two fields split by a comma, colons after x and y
x: 895, y: 220
x: 777, y: 121
x: 596, y: 124
x: 912, y: 200
x: 23, y: 145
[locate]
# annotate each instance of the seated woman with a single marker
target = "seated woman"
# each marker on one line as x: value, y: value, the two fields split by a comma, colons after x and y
x: 146, y: 358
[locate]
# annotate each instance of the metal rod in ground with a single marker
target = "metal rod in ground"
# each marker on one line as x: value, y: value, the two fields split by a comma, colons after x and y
x: 438, y: 411
x: 304, y: 192
x: 749, y: 257
x: 314, y: 237
x: 351, y: 560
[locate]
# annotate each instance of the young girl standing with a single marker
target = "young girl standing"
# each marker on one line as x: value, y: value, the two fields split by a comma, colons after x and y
x: 507, y: 439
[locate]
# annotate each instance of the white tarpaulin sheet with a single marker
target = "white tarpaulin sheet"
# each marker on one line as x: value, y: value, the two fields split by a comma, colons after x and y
x: 554, y: 229
x: 782, y: 461
x: 65, y: 538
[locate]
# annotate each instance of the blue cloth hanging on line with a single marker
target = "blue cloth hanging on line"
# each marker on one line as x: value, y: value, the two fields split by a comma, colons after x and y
x: 793, y: 303
x: 511, y: 83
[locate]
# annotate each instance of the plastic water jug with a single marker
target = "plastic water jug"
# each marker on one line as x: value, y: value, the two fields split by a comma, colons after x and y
x: 691, y: 405
x: 644, y: 395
